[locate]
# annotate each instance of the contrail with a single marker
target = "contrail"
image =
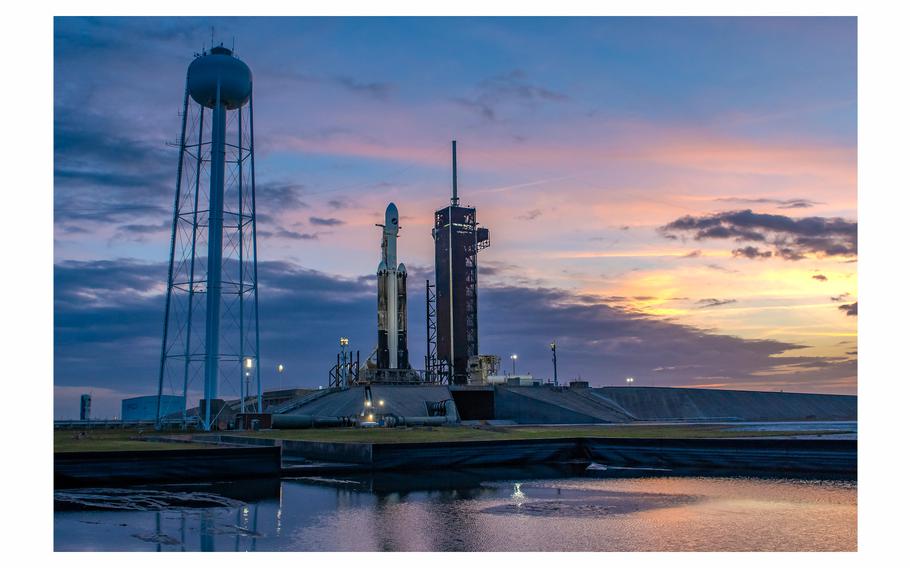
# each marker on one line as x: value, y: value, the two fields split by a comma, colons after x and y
x: 521, y: 185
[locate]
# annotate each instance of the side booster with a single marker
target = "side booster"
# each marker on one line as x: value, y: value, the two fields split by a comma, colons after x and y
x: 392, y: 281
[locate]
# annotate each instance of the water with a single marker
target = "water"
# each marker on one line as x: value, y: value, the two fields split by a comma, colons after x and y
x: 808, y: 430
x: 490, y: 510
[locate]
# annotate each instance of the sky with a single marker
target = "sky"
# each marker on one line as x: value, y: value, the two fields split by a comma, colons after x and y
x: 671, y: 199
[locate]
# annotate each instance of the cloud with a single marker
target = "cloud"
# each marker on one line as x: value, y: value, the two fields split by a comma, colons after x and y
x: 849, y: 309
x: 713, y: 302
x: 94, y: 183
x: 781, y: 203
x: 792, y: 238
x: 283, y: 233
x: 820, y: 277
x: 326, y: 222
x: 693, y: 254
x: 752, y: 252
x: 279, y: 197
x: 530, y: 215
x: 494, y: 95
x: 374, y: 89
x: 112, y: 312
x: 840, y: 297
x: 720, y: 268
x: 377, y: 90
x: 140, y: 232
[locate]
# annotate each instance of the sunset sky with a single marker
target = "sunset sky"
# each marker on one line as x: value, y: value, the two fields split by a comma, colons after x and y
x: 672, y: 199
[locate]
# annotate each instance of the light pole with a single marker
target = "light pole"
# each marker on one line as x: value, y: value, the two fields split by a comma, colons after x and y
x: 280, y: 371
x: 344, y: 357
x: 629, y: 381
x: 248, y: 365
x: 514, y: 358
x: 555, y: 377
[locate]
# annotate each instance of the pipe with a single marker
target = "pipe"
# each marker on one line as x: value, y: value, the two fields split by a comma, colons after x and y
x: 451, y: 411
x: 300, y: 421
x: 392, y: 421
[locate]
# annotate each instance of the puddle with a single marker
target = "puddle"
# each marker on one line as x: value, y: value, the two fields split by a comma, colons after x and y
x: 138, y: 500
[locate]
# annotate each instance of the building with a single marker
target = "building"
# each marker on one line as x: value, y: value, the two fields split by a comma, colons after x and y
x: 85, y: 407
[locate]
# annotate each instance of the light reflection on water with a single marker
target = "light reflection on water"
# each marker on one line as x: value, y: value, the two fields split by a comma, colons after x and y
x: 469, y: 511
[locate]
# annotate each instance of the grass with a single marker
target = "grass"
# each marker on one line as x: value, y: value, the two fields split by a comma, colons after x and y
x: 466, y: 433
x: 121, y: 440
x: 112, y: 440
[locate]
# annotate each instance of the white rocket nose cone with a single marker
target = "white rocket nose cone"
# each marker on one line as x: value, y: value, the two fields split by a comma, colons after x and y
x: 391, y: 216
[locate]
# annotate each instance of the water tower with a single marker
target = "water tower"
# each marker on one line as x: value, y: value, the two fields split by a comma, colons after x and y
x: 210, y: 347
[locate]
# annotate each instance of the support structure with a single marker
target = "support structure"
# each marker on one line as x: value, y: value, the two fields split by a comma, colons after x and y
x: 438, y: 370
x: 210, y: 345
x: 555, y: 376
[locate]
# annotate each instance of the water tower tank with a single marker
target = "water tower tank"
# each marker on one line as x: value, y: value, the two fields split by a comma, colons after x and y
x: 219, y: 67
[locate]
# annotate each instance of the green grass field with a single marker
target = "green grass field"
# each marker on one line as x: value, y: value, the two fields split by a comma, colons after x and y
x: 465, y: 433
x: 111, y: 440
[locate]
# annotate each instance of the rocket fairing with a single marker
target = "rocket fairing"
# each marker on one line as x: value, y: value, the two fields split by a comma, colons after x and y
x: 392, y: 283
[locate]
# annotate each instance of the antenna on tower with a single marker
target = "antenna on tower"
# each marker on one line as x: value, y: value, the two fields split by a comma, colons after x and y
x: 454, y: 176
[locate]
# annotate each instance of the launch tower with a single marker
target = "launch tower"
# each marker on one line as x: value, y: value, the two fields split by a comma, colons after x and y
x: 458, y: 240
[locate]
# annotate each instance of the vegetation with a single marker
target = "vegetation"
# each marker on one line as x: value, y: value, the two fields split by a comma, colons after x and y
x: 96, y: 440
x: 468, y: 433
x: 114, y: 440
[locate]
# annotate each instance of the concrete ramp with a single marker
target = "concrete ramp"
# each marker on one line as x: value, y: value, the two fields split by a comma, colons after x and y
x: 546, y: 405
x: 399, y: 400
x: 657, y: 404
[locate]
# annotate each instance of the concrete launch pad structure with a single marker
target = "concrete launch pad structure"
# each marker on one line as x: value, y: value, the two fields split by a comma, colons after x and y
x: 547, y: 404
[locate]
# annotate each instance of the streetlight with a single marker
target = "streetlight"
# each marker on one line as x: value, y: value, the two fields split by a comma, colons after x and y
x: 248, y: 364
x: 280, y: 371
x: 555, y: 378
x: 344, y: 359
x: 629, y: 381
x: 514, y: 358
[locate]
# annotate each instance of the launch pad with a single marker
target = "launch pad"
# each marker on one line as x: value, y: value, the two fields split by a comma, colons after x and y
x: 452, y: 354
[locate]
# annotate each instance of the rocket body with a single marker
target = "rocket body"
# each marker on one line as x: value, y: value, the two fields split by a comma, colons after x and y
x: 391, y: 279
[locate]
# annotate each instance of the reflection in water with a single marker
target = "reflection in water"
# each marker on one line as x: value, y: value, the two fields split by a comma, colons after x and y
x: 491, y: 509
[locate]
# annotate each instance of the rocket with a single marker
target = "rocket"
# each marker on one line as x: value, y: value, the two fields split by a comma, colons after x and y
x: 391, y: 279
